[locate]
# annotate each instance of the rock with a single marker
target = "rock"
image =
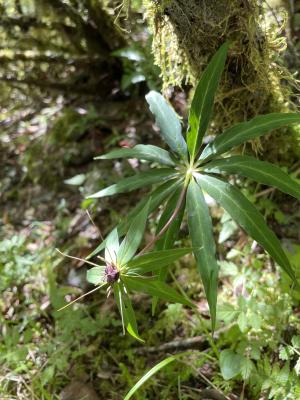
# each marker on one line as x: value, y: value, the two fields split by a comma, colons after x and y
x: 77, y: 390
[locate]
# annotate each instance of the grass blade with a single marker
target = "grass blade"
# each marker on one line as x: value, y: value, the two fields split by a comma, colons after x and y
x: 152, y: 372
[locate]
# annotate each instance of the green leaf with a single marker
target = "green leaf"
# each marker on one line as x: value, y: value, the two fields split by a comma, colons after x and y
x: 151, y: 372
x: 133, y: 237
x: 96, y: 275
x: 112, y: 246
x: 242, y: 321
x: 247, y: 216
x: 135, y: 182
x: 76, y: 180
x: 244, y: 131
x: 230, y: 364
x: 155, y: 260
x: 200, y: 227
x: 260, y: 171
x: 247, y: 367
x: 142, y: 152
x: 156, y: 197
x: 126, y: 310
x: 203, y: 100
x: 155, y: 288
x: 227, y: 313
x: 168, y: 122
x: 129, y: 316
x: 228, y: 228
x: 168, y: 239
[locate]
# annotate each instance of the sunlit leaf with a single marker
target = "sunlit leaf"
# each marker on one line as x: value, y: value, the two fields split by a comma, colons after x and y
x: 96, y: 275
x: 76, y: 180
x: 168, y: 122
x: 133, y: 238
x: 203, y: 100
x: 142, y: 152
x: 112, y: 246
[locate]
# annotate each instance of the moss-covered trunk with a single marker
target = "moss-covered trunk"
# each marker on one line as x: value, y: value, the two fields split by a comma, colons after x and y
x: 186, y: 35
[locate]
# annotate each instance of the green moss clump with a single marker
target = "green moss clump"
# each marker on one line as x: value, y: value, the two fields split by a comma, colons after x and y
x: 187, y: 34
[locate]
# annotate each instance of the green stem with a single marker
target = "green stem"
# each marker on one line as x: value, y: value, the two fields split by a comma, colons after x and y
x: 168, y: 223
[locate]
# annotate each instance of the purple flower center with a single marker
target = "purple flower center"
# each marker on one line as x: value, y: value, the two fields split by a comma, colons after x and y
x: 111, y: 273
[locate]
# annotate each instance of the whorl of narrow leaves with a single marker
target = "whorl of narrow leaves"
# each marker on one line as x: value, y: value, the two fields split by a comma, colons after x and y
x: 125, y: 271
x: 187, y: 173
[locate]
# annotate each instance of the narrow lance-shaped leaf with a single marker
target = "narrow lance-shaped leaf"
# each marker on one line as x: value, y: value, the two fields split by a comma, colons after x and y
x: 133, y: 237
x: 168, y: 122
x: 135, y: 182
x: 168, y: 239
x: 203, y: 100
x: 142, y: 152
x: 157, y: 196
x: 112, y: 246
x: 155, y: 288
x: 244, y: 131
x: 129, y: 315
x: 153, y: 371
x: 247, y: 216
x: 260, y: 171
x: 96, y: 275
x: 155, y: 260
x: 126, y: 310
x: 200, y: 227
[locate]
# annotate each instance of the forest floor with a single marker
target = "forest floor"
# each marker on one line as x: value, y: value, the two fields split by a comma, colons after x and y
x: 80, y: 352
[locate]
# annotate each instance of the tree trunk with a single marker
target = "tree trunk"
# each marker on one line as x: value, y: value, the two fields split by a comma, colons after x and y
x: 187, y: 34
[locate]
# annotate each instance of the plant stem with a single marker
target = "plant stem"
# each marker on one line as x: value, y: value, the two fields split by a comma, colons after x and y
x: 168, y: 223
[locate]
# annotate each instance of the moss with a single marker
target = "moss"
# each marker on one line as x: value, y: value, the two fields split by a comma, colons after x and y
x: 187, y: 34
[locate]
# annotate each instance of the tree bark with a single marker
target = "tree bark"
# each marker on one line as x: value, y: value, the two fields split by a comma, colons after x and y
x: 188, y: 33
